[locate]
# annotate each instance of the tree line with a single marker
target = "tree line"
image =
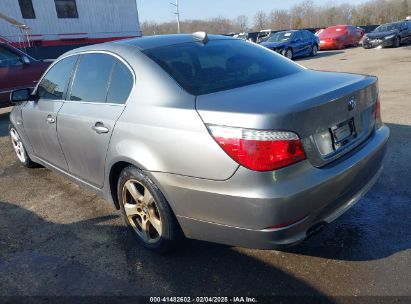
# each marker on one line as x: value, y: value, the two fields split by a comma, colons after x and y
x: 306, y: 14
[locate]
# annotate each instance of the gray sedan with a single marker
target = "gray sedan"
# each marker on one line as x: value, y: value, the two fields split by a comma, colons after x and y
x: 205, y: 137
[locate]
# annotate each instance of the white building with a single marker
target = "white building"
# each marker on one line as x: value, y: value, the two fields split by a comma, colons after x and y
x: 59, y: 22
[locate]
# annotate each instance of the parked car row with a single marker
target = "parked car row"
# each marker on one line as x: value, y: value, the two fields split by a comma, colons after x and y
x: 17, y: 70
x: 295, y: 43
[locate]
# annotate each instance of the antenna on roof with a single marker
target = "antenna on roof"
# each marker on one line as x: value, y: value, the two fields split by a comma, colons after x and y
x: 201, y: 37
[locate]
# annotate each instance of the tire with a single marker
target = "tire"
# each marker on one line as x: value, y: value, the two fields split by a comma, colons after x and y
x: 314, y: 51
x: 397, y: 42
x: 19, y: 149
x: 147, y: 212
x: 289, y: 54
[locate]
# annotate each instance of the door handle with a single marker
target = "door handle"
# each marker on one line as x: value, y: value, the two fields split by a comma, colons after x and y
x: 50, y: 119
x: 99, y: 128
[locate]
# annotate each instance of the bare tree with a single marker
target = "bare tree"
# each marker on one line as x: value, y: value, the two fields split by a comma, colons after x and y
x: 279, y: 20
x: 260, y: 20
x: 242, y: 23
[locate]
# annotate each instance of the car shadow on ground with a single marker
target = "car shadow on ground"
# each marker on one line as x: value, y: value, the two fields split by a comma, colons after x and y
x: 320, y: 54
x: 380, y: 224
x: 39, y: 257
x: 4, y: 123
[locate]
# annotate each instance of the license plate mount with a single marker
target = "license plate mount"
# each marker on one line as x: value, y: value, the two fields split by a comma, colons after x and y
x: 343, y: 133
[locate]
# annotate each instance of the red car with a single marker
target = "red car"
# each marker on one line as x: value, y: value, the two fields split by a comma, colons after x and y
x: 340, y: 36
x: 17, y: 70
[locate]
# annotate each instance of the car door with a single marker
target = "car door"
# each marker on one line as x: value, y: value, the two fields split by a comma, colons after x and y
x: 297, y: 44
x: 99, y: 91
x: 40, y: 116
x: 308, y: 41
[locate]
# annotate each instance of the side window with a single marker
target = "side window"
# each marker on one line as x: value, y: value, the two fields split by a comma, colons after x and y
x: 306, y: 35
x: 121, y: 84
x: 53, y: 85
x: 8, y: 58
x: 92, y: 78
x: 297, y: 36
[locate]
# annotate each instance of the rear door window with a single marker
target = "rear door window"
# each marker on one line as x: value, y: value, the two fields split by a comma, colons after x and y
x: 120, y: 85
x: 220, y: 65
x: 306, y: 35
x: 91, y: 81
x: 297, y: 37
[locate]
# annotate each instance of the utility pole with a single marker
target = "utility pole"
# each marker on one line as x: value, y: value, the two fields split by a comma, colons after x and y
x: 177, y: 13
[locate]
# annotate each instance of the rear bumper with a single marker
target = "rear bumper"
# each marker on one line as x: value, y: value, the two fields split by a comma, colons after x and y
x: 241, y: 210
x: 331, y: 45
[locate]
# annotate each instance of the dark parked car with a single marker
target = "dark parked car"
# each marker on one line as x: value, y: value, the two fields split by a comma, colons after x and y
x: 17, y: 70
x: 293, y: 43
x: 263, y: 35
x: 207, y: 137
x: 390, y: 34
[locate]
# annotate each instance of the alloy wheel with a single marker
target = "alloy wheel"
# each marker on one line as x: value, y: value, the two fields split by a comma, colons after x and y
x: 142, y: 211
x: 18, y: 145
x: 289, y: 54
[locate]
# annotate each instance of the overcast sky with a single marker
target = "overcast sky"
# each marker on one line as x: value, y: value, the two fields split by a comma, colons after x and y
x: 162, y: 11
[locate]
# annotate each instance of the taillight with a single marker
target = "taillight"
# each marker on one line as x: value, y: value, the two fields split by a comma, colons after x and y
x: 259, y: 150
x: 377, y: 114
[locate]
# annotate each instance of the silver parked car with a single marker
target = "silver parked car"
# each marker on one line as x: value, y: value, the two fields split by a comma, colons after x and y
x: 205, y: 137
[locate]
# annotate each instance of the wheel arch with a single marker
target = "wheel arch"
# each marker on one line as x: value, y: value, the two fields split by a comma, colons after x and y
x: 114, y: 175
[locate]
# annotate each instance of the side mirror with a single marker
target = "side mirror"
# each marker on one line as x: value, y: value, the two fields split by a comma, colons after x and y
x: 25, y: 60
x: 20, y: 95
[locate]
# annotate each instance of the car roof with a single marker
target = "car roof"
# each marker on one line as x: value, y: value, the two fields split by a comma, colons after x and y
x: 152, y: 42
x: 289, y: 31
x: 143, y: 43
x: 395, y: 22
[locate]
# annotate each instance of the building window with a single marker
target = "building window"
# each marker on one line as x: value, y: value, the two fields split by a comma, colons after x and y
x: 66, y: 8
x: 27, y: 10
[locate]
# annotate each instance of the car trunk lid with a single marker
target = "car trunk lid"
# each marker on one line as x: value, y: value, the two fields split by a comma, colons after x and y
x: 331, y: 112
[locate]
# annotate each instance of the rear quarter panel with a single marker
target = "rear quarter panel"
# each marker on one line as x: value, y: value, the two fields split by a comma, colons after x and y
x: 161, y: 131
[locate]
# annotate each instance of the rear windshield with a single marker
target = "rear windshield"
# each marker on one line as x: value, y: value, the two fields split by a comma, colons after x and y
x: 334, y: 31
x: 220, y: 65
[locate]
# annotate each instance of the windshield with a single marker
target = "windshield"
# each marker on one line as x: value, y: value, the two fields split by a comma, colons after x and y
x: 388, y: 27
x: 220, y: 65
x: 280, y: 37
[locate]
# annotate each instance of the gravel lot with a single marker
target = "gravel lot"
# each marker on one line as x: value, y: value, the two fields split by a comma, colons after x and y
x: 59, y: 239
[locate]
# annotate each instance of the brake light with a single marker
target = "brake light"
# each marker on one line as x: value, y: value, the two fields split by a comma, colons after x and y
x: 259, y: 150
x: 377, y: 113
